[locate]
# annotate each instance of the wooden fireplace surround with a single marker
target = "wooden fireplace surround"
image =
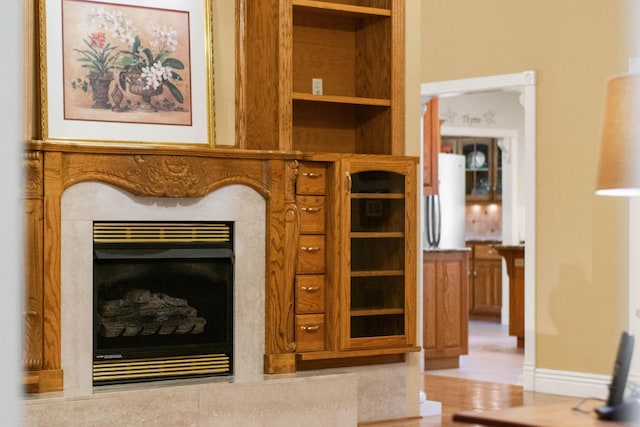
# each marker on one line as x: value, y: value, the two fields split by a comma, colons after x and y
x: 175, y: 172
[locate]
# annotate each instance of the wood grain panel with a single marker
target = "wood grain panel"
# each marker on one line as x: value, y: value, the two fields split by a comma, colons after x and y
x: 312, y: 214
x: 259, y: 122
x: 445, y: 308
x: 310, y: 293
x: 321, y: 127
x: 282, y: 232
x: 33, y: 240
x: 312, y: 179
x: 373, y: 58
x: 324, y: 47
x: 311, y: 250
x: 431, y: 147
x: 310, y: 332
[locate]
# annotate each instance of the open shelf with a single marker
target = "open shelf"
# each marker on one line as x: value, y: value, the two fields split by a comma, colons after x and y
x: 375, y: 311
x: 377, y: 273
x: 339, y: 8
x: 301, y: 96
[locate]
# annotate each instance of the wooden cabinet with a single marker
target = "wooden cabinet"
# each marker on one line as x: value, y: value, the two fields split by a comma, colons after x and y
x: 370, y: 258
x: 310, y: 258
x: 430, y: 147
x: 378, y: 246
x: 485, y: 289
x: 514, y: 259
x: 321, y: 76
x: 325, y: 79
x: 445, y: 308
x: 483, y: 166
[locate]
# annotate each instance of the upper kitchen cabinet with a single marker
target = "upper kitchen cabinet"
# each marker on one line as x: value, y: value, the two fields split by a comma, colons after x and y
x: 321, y: 76
x: 483, y: 166
x: 430, y: 147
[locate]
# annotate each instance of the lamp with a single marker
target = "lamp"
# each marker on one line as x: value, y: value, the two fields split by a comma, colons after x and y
x: 619, y: 168
x: 619, y: 175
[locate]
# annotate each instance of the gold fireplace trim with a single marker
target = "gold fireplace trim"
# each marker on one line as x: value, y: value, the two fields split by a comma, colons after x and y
x: 146, y: 232
x: 139, y: 369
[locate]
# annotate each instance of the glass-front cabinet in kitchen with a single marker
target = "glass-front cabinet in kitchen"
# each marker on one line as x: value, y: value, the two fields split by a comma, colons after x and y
x: 483, y: 166
x: 378, y: 253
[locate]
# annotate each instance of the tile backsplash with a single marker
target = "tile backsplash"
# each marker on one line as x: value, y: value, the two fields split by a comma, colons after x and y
x: 483, y: 222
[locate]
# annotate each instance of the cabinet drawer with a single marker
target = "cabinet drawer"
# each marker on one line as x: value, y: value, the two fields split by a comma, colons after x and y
x: 486, y: 251
x: 310, y: 293
x: 312, y: 214
x: 310, y: 255
x: 310, y: 332
x: 312, y: 179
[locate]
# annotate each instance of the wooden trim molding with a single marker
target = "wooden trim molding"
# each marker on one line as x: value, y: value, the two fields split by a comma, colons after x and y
x: 160, y: 173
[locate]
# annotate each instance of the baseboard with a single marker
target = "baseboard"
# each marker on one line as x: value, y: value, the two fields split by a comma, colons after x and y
x: 566, y: 383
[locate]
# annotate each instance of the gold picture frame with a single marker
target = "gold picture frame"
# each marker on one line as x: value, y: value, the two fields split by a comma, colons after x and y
x: 127, y: 71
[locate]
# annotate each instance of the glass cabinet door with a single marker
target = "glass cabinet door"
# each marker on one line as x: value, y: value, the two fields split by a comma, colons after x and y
x: 483, y: 166
x: 377, y: 264
x: 477, y: 169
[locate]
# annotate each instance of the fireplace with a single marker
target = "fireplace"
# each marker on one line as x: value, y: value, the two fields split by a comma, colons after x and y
x: 163, y: 300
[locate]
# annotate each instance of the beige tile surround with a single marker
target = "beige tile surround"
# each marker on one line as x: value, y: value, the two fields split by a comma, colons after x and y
x: 339, y: 397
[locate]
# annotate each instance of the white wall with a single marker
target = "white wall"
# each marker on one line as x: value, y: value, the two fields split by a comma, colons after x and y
x: 12, y: 24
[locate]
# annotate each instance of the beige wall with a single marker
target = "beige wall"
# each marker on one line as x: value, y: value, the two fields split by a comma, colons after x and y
x: 224, y: 51
x: 574, y: 46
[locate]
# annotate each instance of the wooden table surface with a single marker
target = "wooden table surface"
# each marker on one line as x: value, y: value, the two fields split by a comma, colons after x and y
x: 552, y: 415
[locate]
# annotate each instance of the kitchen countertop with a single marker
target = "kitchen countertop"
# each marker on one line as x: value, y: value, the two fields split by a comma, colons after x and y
x: 510, y: 247
x: 446, y: 250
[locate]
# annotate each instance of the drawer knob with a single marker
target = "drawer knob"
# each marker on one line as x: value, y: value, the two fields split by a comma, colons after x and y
x: 310, y: 288
x: 310, y: 249
x: 311, y: 210
x: 310, y: 329
x: 311, y: 174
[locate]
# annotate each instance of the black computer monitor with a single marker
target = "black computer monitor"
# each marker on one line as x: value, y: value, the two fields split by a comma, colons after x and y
x: 617, y: 408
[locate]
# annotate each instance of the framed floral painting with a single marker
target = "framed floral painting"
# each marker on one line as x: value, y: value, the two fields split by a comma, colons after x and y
x: 127, y: 71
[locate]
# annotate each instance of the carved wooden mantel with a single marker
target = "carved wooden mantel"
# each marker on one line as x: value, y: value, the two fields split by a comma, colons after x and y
x: 154, y: 172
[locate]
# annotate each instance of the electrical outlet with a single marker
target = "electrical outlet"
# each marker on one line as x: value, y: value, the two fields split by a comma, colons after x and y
x: 316, y: 86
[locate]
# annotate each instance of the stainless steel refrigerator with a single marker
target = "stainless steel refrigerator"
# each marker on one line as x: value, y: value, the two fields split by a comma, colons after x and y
x: 445, y: 212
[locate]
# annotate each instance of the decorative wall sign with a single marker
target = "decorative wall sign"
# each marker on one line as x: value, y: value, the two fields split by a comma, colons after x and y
x: 127, y: 71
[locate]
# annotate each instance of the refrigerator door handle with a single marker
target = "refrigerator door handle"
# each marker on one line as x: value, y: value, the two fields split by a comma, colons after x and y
x: 433, y: 220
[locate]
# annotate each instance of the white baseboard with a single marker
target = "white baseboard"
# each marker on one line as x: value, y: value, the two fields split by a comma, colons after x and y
x: 566, y: 383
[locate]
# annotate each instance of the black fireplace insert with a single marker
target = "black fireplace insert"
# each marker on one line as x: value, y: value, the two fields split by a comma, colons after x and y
x: 163, y: 300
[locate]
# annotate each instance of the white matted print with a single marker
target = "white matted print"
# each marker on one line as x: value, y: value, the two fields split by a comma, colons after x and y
x: 127, y: 71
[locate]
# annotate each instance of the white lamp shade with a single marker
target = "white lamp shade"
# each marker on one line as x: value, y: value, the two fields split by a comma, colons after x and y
x: 619, y: 167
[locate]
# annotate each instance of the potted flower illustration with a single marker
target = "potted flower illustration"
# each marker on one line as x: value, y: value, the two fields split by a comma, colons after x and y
x: 143, y: 70
x: 146, y: 74
x: 100, y: 61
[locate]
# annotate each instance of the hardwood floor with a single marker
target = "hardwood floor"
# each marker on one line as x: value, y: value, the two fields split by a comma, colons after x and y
x: 459, y: 394
x: 490, y: 377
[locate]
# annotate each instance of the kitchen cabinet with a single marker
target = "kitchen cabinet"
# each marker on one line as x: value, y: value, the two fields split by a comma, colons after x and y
x: 445, y: 307
x: 483, y: 166
x: 514, y: 259
x: 485, y: 289
x: 322, y: 76
x: 431, y: 147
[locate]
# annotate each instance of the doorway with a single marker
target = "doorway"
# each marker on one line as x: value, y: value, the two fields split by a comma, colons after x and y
x: 524, y: 84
